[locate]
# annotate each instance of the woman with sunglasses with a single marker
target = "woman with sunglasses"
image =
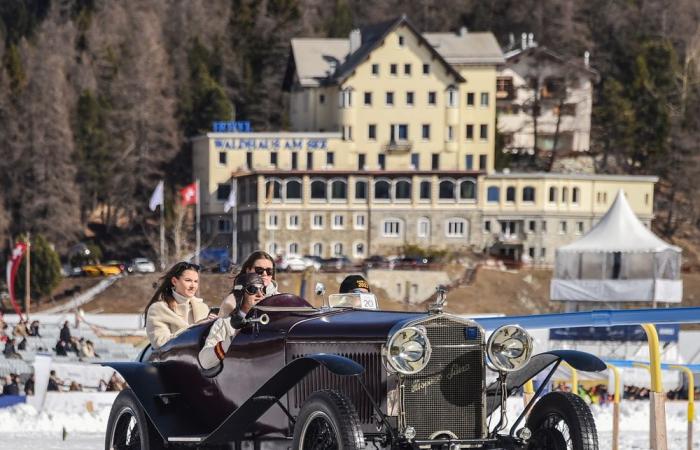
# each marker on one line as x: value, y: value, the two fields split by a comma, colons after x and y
x: 248, y: 290
x: 259, y: 263
x: 174, y: 306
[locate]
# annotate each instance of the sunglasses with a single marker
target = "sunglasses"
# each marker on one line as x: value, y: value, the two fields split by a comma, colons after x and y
x: 253, y: 289
x: 260, y: 270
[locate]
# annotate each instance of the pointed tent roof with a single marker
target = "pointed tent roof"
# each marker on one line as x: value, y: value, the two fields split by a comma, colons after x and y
x: 619, y: 230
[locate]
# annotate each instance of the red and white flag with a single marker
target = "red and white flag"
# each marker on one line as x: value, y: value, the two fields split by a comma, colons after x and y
x: 12, y: 267
x: 188, y: 194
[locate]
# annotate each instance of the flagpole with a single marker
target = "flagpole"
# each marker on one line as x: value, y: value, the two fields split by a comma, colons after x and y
x: 234, y: 230
x: 197, y: 212
x: 27, y: 283
x: 162, y: 234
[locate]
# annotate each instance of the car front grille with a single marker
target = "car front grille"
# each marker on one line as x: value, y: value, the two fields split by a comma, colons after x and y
x: 448, y: 395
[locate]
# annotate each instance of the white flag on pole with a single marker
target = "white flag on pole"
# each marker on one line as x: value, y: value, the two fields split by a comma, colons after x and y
x: 231, y: 202
x: 156, y: 197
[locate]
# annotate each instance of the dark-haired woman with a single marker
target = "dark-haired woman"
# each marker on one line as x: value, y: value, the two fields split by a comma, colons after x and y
x: 260, y: 263
x: 174, y: 306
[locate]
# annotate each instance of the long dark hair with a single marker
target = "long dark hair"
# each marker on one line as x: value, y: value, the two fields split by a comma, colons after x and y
x: 256, y: 255
x: 164, y: 292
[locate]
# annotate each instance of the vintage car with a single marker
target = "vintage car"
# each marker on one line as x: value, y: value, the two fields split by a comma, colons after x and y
x: 348, y: 376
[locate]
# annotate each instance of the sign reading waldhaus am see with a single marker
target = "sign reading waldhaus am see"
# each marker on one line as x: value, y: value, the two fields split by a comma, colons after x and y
x: 271, y: 144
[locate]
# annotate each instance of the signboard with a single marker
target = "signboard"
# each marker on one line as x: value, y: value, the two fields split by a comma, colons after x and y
x: 231, y: 127
x: 271, y: 144
x: 634, y: 333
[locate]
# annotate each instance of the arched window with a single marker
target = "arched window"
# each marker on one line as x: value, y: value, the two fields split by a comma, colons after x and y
x: 528, y: 194
x: 360, y: 190
x: 293, y: 189
x: 318, y: 189
x: 339, y: 190
x: 467, y: 190
x: 552, y: 194
x: 493, y: 194
x: 575, y: 193
x: 317, y: 249
x: 510, y: 194
x: 402, y: 190
x: 272, y: 248
x: 293, y: 249
x: 381, y: 190
x: 425, y: 190
x: 447, y: 190
x: 273, y: 189
x: 358, y: 250
x: 338, y: 249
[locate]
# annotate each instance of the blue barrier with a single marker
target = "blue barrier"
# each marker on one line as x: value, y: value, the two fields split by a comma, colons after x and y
x: 10, y: 400
x: 624, y: 363
x: 598, y: 318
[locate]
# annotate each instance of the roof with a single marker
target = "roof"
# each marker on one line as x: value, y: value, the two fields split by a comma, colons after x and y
x: 619, y: 230
x: 319, y: 61
x: 551, y: 54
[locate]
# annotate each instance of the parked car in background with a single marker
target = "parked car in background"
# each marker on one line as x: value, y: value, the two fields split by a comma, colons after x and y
x: 376, y: 262
x: 141, y: 265
x: 336, y: 263
x: 71, y: 271
x: 291, y: 264
x: 102, y: 270
x: 412, y: 262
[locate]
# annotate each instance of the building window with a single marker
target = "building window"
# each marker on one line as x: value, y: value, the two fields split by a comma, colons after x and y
x: 360, y: 221
x: 484, y: 99
x: 425, y: 190
x: 409, y: 98
x: 273, y: 158
x: 393, y: 69
x: 372, y: 132
x: 469, y: 162
x: 321, y: 99
x: 487, y: 226
x: 272, y: 248
x: 426, y: 69
x: 564, y: 195
x: 482, y: 162
x: 450, y: 133
x: 273, y: 189
x: 470, y: 99
x: 528, y: 194
x: 435, y: 161
x: 493, y: 194
x: 401, y: 41
x: 407, y: 69
x: 249, y: 160
x: 398, y: 132
x: 293, y: 190
x: 293, y: 249
x: 317, y: 221
x: 504, y: 88
x: 272, y: 221
x: 390, y: 98
x: 317, y: 249
x: 338, y: 190
x: 222, y: 158
x: 579, y: 227
x: 467, y: 190
x: 375, y: 69
x: 552, y: 194
x: 360, y: 190
x: 562, y: 227
x: 510, y: 194
x: 531, y: 252
x: 224, y: 225
x: 391, y: 228
x: 330, y: 158
x: 338, y: 222
x: 575, y: 195
x: 382, y: 190
x: 358, y: 250
x: 346, y: 98
x: 423, y: 227
x: 531, y: 224
x: 470, y: 132
x: 425, y: 131
x: 361, y: 161
x: 402, y: 190
x: 456, y: 228
x: 223, y: 191
x: 295, y: 161
x: 318, y: 190
x: 415, y: 161
x: 483, y: 131
x: 452, y: 98
x: 381, y: 161
x: 544, y: 226
x: 543, y: 252
x: 337, y: 249
x: 432, y: 98
x: 446, y: 190
x: 309, y: 161
x: 368, y: 98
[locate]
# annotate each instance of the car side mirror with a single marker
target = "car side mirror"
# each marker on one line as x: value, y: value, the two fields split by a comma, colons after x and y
x: 320, y: 289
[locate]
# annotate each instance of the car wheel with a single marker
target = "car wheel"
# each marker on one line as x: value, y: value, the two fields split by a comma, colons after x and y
x: 562, y: 421
x: 128, y: 427
x: 326, y: 421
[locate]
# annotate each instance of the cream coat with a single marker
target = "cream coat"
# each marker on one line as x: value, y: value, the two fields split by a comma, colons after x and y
x: 163, y: 323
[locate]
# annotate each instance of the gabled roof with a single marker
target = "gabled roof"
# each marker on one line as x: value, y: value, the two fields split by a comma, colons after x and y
x: 538, y: 50
x: 467, y: 47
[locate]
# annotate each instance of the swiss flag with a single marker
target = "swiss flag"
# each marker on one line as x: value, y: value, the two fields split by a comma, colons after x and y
x: 188, y: 194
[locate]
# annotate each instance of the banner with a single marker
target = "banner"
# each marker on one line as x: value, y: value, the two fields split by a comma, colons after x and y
x: 188, y: 194
x: 11, y: 272
x: 231, y: 202
x: 156, y: 197
x: 621, y: 333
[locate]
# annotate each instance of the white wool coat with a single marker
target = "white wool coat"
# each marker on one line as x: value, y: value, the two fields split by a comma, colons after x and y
x: 163, y: 323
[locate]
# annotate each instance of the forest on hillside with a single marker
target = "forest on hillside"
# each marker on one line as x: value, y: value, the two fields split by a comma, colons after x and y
x: 98, y: 97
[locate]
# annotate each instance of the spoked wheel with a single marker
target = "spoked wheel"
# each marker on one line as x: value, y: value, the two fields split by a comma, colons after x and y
x: 128, y: 428
x: 562, y: 421
x: 327, y: 421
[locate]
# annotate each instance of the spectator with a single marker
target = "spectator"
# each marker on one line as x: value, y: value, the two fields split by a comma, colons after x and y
x: 75, y: 386
x: 3, y: 336
x: 20, y: 329
x: 10, y: 352
x: 3, y: 325
x: 87, y: 349
x: 29, y: 385
x: 61, y: 348
x: 54, y: 381
x: 115, y: 383
x: 65, y: 333
x: 11, y: 386
x: 34, y: 328
x: 23, y: 344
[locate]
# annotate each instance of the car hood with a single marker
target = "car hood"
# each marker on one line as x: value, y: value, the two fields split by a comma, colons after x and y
x: 348, y: 325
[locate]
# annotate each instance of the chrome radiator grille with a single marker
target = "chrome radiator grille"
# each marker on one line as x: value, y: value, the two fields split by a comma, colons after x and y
x: 448, y: 394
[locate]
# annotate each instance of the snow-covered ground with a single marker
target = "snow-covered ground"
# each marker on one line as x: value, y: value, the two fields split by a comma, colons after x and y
x: 23, y: 428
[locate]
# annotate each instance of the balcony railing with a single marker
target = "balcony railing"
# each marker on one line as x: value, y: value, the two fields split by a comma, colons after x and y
x: 398, y: 146
x: 510, y: 238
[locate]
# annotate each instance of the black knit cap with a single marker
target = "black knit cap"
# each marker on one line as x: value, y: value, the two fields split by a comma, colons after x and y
x: 353, y: 282
x: 245, y: 279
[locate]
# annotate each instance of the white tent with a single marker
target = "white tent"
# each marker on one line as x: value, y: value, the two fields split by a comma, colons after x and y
x: 619, y: 259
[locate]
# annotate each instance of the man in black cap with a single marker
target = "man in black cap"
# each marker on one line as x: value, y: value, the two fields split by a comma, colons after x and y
x: 354, y: 284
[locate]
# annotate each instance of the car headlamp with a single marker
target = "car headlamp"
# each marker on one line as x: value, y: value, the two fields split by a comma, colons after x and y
x: 408, y: 350
x: 509, y: 348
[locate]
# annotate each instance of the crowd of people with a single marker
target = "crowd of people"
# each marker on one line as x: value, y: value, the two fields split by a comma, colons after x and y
x: 17, y: 340
x: 67, y: 343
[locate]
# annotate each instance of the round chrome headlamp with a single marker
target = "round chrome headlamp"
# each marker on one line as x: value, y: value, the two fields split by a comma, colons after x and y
x: 408, y: 350
x: 509, y: 348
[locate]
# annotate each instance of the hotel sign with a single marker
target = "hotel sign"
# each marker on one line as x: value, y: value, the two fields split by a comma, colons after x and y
x: 250, y: 143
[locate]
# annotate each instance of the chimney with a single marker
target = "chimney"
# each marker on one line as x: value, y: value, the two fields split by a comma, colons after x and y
x: 587, y: 58
x: 523, y: 41
x: 355, y: 40
x: 463, y: 31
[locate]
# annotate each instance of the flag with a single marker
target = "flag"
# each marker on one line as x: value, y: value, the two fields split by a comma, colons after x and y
x: 231, y: 202
x: 188, y: 194
x: 12, y: 268
x: 156, y: 197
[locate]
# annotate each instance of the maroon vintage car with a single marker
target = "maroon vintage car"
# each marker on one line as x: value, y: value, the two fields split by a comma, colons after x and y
x: 345, y: 377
